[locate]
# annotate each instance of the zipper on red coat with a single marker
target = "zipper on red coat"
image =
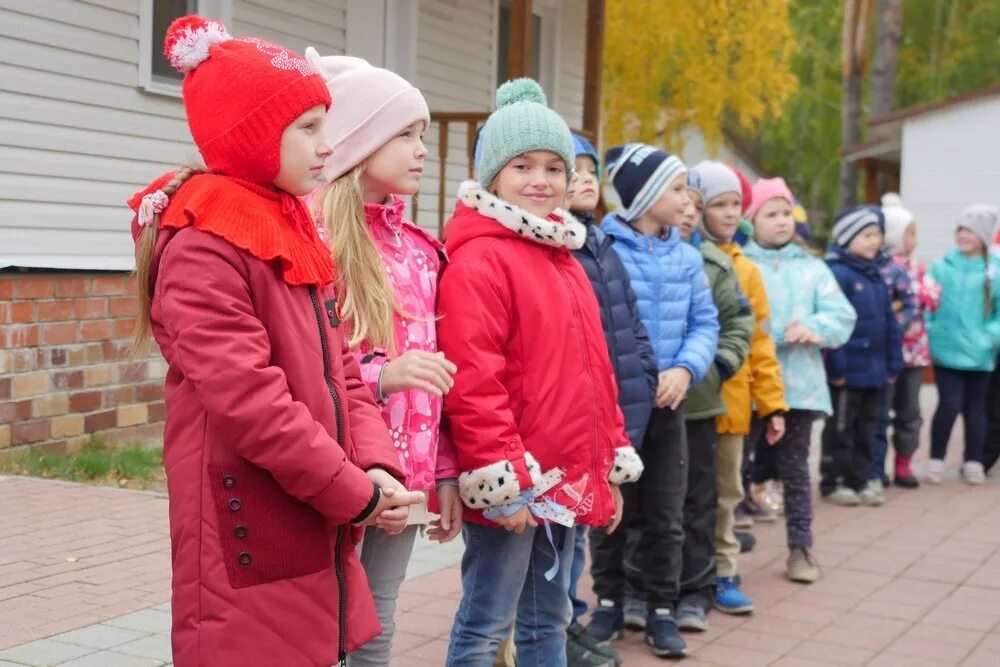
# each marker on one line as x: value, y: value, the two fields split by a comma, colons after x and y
x: 338, y: 562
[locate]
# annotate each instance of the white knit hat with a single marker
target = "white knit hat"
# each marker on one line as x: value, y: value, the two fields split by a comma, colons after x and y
x: 898, y: 218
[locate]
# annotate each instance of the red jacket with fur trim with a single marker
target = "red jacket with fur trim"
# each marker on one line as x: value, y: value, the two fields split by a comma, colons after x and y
x: 534, y: 388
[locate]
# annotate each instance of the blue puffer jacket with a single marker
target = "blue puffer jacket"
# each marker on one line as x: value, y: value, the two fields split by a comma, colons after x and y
x: 874, y: 352
x: 674, y: 299
x: 628, y: 345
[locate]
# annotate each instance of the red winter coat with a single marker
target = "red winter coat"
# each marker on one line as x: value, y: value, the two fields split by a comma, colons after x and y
x: 520, y: 320
x: 260, y: 390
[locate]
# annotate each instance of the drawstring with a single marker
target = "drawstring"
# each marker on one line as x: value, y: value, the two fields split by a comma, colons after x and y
x: 540, y: 507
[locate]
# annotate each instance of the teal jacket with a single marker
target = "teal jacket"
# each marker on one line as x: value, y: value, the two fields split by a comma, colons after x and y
x: 962, y: 336
x: 802, y: 288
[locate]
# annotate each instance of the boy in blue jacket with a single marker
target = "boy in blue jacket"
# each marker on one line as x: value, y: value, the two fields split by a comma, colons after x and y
x: 676, y: 307
x: 859, y: 371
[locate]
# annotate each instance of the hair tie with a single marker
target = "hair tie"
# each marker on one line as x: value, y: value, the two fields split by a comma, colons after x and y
x: 151, y: 206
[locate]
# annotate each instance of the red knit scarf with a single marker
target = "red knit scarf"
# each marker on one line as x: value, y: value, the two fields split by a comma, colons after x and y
x: 269, y: 224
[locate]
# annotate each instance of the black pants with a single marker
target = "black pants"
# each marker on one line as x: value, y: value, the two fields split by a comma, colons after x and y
x: 907, y: 419
x: 960, y: 392
x: 654, y: 511
x: 698, y: 568
x: 991, y: 448
x: 849, y: 438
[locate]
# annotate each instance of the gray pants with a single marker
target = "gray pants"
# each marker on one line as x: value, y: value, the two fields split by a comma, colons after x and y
x: 384, y: 558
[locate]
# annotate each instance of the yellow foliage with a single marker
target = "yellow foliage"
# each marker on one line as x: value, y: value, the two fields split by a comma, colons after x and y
x: 669, y: 64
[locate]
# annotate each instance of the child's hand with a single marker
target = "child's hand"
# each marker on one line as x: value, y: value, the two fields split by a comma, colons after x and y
x: 517, y: 521
x: 417, y: 369
x: 775, y: 429
x: 616, y: 518
x: 674, y: 383
x: 450, y: 524
x: 838, y: 382
x: 393, y: 508
x: 798, y: 334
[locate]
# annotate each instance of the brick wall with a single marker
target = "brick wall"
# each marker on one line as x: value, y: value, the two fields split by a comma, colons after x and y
x: 65, y: 375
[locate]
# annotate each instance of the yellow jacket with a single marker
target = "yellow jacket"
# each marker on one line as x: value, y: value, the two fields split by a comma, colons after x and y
x: 758, y: 381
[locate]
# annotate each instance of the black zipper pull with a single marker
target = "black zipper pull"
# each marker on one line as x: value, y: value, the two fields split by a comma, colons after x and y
x: 331, y: 312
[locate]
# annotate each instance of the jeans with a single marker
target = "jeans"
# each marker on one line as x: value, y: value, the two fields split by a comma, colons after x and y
x: 698, y: 568
x: 384, y: 558
x: 849, y: 438
x: 576, y: 570
x: 960, y: 392
x: 503, y: 577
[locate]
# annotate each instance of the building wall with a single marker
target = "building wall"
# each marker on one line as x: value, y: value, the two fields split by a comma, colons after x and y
x: 949, y: 159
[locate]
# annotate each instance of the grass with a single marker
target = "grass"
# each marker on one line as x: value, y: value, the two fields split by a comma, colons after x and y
x: 134, y: 467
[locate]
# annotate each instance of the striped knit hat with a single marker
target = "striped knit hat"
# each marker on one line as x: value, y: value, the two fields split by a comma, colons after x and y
x: 853, y: 221
x: 639, y: 174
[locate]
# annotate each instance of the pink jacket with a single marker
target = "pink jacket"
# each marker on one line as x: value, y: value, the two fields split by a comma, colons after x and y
x: 413, y: 259
x: 916, y: 348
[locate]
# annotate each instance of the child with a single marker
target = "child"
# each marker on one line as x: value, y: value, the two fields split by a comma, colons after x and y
x: 756, y: 382
x: 858, y: 371
x: 701, y: 409
x: 630, y: 353
x: 676, y: 307
x: 375, y: 132
x: 809, y: 312
x: 534, y: 391
x: 965, y: 337
x: 900, y: 240
x: 270, y: 430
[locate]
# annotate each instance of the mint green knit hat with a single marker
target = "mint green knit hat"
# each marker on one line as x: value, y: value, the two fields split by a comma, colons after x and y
x: 522, y: 123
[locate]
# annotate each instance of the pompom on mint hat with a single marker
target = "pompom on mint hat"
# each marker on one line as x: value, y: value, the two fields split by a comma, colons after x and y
x: 522, y: 123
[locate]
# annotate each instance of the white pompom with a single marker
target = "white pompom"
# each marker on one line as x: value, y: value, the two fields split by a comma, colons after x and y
x: 187, y: 46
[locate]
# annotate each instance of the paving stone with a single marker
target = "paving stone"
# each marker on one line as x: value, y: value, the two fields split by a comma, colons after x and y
x: 100, y: 636
x: 147, y: 620
x: 44, y: 652
x: 112, y: 659
x: 156, y: 647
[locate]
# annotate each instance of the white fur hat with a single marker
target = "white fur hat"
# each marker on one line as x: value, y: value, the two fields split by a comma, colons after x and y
x: 897, y: 219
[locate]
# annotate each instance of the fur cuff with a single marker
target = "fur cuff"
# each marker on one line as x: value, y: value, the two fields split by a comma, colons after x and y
x: 627, y: 467
x: 570, y: 233
x: 496, y: 483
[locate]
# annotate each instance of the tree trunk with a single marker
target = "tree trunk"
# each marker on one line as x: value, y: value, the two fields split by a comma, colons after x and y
x: 888, y: 31
x: 850, y: 111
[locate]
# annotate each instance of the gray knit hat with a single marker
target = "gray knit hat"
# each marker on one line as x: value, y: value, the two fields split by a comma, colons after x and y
x: 981, y: 220
x: 522, y: 123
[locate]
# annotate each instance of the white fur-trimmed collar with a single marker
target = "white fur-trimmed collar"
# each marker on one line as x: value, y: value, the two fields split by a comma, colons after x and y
x: 571, y: 233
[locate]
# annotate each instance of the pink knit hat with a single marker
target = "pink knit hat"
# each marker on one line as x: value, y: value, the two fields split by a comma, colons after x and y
x: 765, y: 189
x: 370, y: 106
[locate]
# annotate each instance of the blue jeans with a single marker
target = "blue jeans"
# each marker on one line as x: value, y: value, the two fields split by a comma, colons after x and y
x: 503, y: 577
x: 576, y: 570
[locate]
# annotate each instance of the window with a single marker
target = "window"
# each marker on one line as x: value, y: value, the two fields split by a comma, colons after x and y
x: 543, y: 50
x: 503, y: 34
x: 156, y: 74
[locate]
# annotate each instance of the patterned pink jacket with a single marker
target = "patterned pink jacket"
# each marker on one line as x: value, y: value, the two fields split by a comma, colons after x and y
x: 916, y: 348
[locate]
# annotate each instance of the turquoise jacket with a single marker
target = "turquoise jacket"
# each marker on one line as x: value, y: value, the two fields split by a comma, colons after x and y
x: 802, y: 288
x: 962, y: 336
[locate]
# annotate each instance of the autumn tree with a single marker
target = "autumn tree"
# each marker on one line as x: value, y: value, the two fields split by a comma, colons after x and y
x: 671, y: 65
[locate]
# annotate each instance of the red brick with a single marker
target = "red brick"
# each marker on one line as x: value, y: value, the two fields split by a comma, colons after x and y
x: 12, y: 411
x: 90, y: 309
x: 55, y: 311
x: 149, y: 392
x: 124, y: 395
x: 5, y: 311
x: 130, y: 285
x: 94, y: 354
x: 38, y: 287
x: 135, y: 372
x: 59, y: 334
x: 4, y: 388
x: 100, y: 421
x: 85, y: 401
x: 110, y: 285
x: 67, y: 380
x: 157, y: 411
x: 95, y: 330
x: 57, y: 356
x: 18, y: 335
x: 24, y: 360
x: 126, y: 306
x: 29, y: 431
x: 6, y: 287
x: 115, y: 350
x: 75, y: 286
x: 124, y: 327
x: 22, y: 311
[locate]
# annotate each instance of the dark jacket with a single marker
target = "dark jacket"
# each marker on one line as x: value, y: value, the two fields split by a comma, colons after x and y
x: 874, y: 354
x: 736, y: 323
x: 628, y: 344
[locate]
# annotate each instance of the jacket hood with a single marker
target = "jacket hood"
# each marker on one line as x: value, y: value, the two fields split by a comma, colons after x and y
x: 623, y: 233
x: 790, y: 250
x: 482, y: 214
x: 711, y: 253
x: 391, y: 216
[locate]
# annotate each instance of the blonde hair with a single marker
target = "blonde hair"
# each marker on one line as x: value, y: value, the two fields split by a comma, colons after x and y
x: 368, y: 303
x: 144, y: 261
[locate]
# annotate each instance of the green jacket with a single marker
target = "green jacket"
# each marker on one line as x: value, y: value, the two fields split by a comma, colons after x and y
x: 735, y: 327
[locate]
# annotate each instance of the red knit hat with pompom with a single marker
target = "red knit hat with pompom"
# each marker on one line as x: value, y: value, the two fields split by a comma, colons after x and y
x: 240, y: 95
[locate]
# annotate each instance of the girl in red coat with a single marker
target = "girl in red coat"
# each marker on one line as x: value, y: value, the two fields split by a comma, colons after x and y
x: 273, y: 446
x: 533, y: 411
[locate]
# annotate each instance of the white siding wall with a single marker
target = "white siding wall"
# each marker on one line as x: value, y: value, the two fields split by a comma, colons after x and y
x: 77, y: 133
x: 949, y: 159
x: 571, y: 61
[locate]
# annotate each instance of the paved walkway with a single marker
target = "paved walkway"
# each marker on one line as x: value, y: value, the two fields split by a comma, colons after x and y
x: 84, y: 582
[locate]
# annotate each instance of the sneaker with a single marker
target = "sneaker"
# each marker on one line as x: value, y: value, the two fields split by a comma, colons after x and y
x: 607, y: 622
x: 662, y: 634
x: 741, y: 519
x: 843, y: 496
x: 729, y: 598
x: 872, y: 495
x: 802, y: 567
x: 635, y: 613
x: 692, y: 616
x: 747, y: 540
x: 757, y: 512
x: 589, y: 650
x: 973, y: 473
x: 935, y: 471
